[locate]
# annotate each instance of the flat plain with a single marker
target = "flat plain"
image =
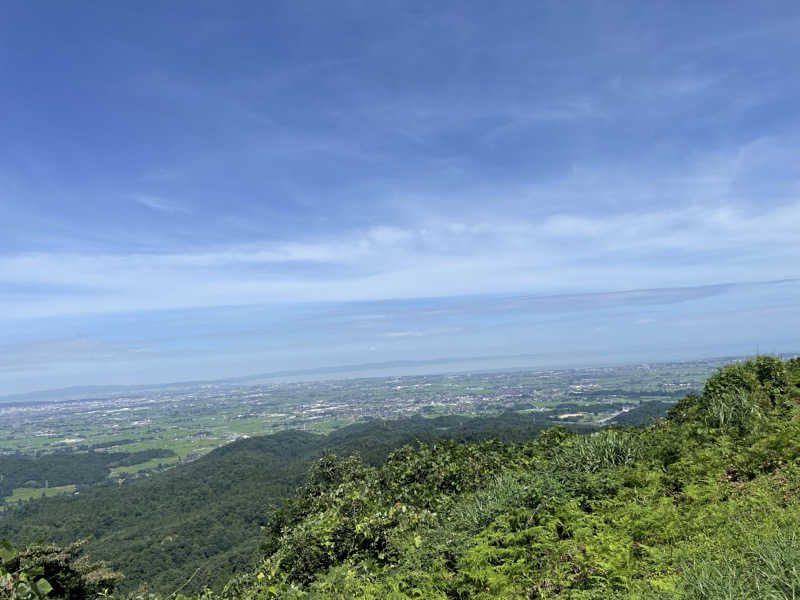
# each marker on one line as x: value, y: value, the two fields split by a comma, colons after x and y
x: 189, y: 420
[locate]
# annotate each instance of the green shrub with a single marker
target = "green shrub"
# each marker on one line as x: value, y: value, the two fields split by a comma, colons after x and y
x: 41, y: 570
x: 737, y: 397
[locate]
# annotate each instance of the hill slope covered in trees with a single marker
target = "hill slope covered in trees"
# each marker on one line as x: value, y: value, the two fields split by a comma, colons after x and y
x: 206, y: 516
x: 704, y: 504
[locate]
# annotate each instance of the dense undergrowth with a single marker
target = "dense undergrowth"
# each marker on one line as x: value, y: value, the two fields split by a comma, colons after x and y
x: 704, y: 505
x: 205, y: 517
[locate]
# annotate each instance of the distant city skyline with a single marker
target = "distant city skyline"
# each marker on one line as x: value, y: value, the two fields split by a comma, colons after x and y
x: 200, y: 190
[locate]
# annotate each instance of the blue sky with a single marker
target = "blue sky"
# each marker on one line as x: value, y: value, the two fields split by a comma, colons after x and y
x: 209, y: 189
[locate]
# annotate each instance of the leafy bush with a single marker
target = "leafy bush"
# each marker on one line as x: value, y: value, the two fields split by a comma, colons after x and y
x: 737, y: 398
x: 735, y: 376
x: 60, y: 572
x: 20, y: 582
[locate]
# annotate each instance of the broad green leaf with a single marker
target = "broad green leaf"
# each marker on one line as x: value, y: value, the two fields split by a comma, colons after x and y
x: 43, y: 587
x: 7, y: 550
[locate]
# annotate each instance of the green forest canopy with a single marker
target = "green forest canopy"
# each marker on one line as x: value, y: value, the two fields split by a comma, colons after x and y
x: 206, y: 516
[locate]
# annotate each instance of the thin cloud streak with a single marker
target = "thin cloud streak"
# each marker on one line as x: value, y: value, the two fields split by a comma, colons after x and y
x: 158, y: 204
x: 562, y: 252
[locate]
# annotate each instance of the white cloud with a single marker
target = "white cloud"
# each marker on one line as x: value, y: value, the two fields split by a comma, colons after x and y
x: 159, y: 204
x: 563, y: 252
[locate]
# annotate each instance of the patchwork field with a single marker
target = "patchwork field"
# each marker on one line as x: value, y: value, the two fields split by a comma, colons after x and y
x: 170, y: 425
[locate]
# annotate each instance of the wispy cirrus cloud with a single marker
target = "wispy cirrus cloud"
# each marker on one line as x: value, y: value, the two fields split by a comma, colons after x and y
x: 563, y: 252
x: 159, y: 204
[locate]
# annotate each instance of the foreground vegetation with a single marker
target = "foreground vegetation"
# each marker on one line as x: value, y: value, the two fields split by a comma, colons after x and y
x: 701, y: 505
x: 206, y: 516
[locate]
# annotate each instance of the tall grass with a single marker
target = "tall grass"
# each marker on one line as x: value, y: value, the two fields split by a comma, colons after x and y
x: 759, y: 561
x: 601, y: 450
x: 769, y: 570
x: 735, y: 412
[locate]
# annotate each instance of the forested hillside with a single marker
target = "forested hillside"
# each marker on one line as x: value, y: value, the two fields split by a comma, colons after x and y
x: 63, y: 468
x: 704, y: 504
x: 207, y: 515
